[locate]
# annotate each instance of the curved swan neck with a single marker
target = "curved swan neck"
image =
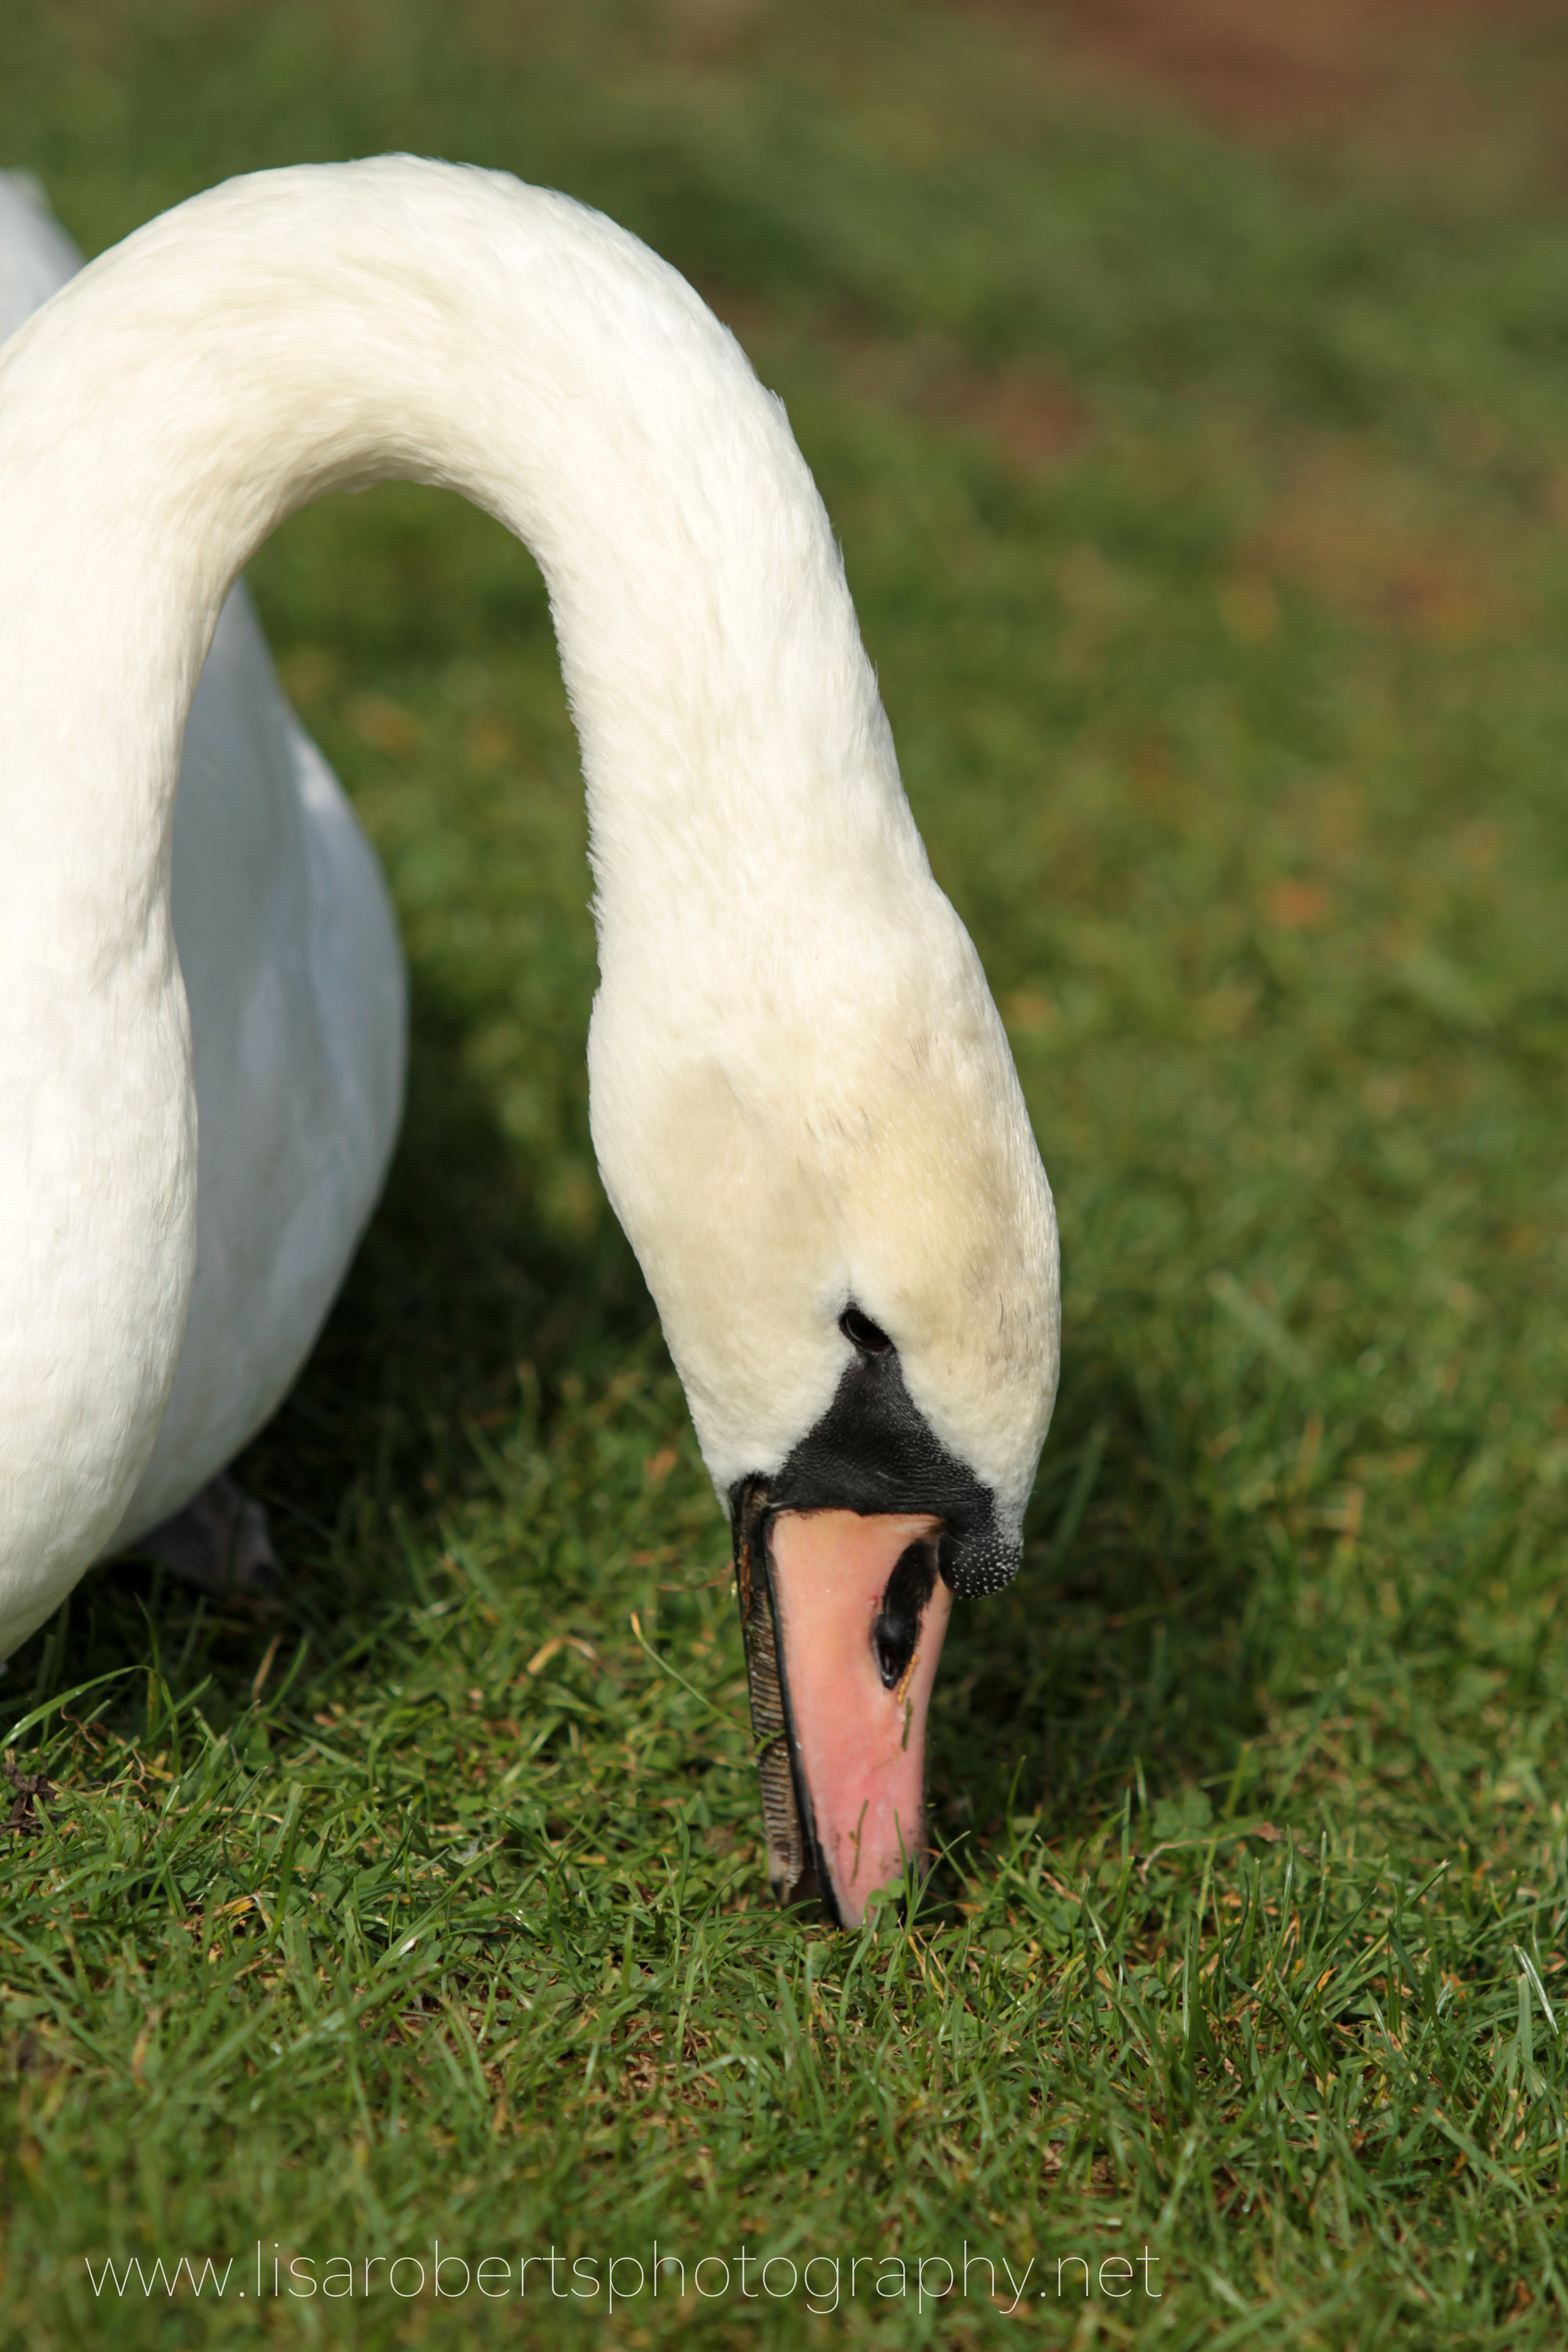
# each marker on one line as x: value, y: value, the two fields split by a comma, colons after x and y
x: 328, y: 327
x: 801, y: 1091
x: 325, y: 328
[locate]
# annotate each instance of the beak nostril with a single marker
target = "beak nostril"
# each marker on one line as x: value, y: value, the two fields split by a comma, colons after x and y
x: 896, y: 1629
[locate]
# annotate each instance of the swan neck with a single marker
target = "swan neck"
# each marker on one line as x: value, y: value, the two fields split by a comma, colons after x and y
x: 319, y: 329
x: 324, y: 328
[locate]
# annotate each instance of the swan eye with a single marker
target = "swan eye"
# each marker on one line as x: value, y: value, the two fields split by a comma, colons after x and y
x: 859, y: 1329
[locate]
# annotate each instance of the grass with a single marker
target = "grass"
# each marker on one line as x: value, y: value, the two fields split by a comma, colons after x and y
x: 1203, y: 494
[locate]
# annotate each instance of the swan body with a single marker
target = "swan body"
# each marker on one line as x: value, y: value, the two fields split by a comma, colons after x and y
x: 295, y: 981
x: 803, y: 1107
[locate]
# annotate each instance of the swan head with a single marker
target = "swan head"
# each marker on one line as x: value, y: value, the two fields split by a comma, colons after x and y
x: 817, y: 1142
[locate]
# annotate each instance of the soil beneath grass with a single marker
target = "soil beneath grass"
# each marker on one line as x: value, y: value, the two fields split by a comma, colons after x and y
x: 1317, y: 68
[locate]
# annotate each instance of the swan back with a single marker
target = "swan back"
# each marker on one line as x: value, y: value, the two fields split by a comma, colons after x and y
x: 291, y: 964
x: 37, y: 256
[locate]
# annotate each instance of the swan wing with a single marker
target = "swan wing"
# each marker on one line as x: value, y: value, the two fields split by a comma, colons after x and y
x: 295, y: 978
x: 37, y: 256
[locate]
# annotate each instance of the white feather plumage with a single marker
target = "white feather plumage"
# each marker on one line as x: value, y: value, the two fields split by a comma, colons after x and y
x: 801, y: 1089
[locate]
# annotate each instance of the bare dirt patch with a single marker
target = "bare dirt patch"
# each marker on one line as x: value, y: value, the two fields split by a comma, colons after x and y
x: 1314, y: 68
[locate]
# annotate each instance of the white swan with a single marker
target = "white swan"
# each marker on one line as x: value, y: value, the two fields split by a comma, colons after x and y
x: 803, y: 1107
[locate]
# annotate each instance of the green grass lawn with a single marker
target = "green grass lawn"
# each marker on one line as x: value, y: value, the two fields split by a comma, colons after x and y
x: 1203, y: 488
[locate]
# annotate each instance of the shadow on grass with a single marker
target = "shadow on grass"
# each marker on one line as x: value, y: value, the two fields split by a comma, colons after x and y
x: 458, y: 1298
x: 1129, y: 1646
x: 1122, y: 1647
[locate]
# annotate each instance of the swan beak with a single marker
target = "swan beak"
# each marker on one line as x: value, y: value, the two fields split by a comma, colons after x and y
x: 844, y: 1617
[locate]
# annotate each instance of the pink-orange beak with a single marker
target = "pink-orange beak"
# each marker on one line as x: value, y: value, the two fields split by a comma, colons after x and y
x: 844, y: 1617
